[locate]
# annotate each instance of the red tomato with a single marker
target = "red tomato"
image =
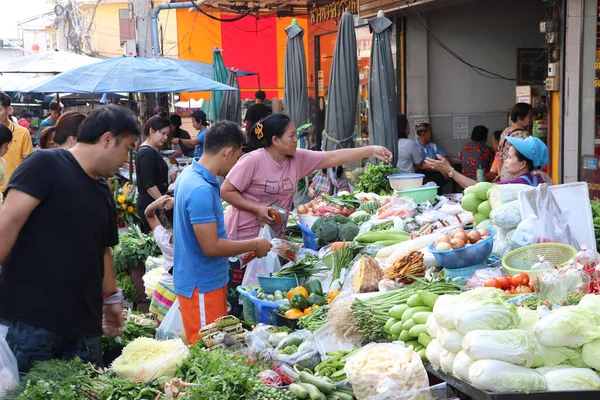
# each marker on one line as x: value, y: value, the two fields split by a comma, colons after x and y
x: 532, y: 285
x: 493, y: 283
x: 523, y: 289
x: 504, y: 281
x: 525, y: 278
x: 516, y: 280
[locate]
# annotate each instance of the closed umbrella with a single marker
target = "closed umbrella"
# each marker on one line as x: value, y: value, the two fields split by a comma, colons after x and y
x: 295, y: 88
x: 231, y: 105
x: 383, y: 100
x: 219, y: 74
x: 340, y: 113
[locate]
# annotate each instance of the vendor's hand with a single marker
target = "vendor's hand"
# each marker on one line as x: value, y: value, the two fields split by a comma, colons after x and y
x: 382, y: 153
x: 262, y: 213
x: 175, y: 140
x: 441, y: 164
x: 262, y: 247
x: 112, y: 320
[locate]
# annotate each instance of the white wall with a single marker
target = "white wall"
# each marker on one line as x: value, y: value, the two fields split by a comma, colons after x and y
x: 486, y: 33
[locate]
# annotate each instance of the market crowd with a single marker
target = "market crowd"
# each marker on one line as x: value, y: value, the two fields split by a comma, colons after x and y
x: 58, y: 220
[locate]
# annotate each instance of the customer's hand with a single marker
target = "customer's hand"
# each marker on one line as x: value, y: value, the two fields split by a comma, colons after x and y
x: 441, y: 164
x: 262, y: 247
x: 112, y: 320
x: 262, y: 214
x: 382, y: 153
x: 175, y: 140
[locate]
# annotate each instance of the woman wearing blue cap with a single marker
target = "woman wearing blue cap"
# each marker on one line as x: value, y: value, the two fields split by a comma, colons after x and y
x: 524, y: 158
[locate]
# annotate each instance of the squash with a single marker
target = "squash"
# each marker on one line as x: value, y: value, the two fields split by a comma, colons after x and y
x: 367, y: 277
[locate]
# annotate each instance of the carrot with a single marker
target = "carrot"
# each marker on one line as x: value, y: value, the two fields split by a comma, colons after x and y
x: 338, y: 245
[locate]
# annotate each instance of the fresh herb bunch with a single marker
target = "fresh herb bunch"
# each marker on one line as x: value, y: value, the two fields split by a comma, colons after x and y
x: 125, y: 282
x: 126, y: 389
x: 133, y: 249
x: 304, y: 268
x: 375, y: 180
x: 596, y: 215
x: 344, y: 200
x: 131, y: 331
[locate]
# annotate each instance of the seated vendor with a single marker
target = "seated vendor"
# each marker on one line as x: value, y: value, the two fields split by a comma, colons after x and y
x: 525, y: 158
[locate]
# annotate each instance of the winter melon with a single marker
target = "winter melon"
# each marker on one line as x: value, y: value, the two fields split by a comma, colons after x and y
x: 481, y: 190
x: 470, y: 202
x: 485, y: 208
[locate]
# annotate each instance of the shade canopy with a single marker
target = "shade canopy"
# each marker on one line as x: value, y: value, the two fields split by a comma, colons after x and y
x: 219, y: 74
x: 51, y: 62
x: 231, y: 105
x: 383, y: 99
x: 126, y: 74
x: 197, y: 67
x: 295, y: 88
x: 342, y: 94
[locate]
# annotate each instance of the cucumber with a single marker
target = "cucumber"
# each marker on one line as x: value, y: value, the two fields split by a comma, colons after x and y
x: 313, y: 392
x: 427, y: 297
x: 404, y: 336
x: 414, y: 301
x: 343, y: 396
x: 397, y: 311
x: 299, y: 391
x: 416, y: 330
x: 422, y: 354
x: 408, y: 325
x: 332, y: 397
x: 323, y: 384
x: 347, y: 391
x: 424, y: 339
x: 390, y: 322
x: 396, y: 328
x: 412, y: 311
x: 421, y: 317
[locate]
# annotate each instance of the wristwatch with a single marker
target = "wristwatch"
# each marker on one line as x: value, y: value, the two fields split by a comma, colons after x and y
x: 451, y: 174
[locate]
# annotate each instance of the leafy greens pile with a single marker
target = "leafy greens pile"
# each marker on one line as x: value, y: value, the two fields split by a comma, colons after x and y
x: 375, y: 180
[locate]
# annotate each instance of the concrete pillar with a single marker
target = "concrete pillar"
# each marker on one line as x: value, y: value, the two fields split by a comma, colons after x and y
x: 417, y: 80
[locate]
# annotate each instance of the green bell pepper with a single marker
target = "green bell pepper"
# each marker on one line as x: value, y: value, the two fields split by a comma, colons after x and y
x: 314, y: 286
x: 316, y: 299
x: 298, y: 301
x: 282, y: 309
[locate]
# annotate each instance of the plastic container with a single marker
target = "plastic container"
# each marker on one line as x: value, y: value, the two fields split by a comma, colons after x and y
x: 467, y: 256
x: 271, y: 284
x: 307, y: 220
x: 264, y: 311
x: 283, y: 321
x: 464, y: 274
x: 522, y: 259
x: 419, y: 195
x: 248, y: 309
x: 406, y: 181
x: 308, y: 237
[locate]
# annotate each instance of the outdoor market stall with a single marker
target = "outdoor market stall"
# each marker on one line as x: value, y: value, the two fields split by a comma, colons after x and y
x: 375, y: 294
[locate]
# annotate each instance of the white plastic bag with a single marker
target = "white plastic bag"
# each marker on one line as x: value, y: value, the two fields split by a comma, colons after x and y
x: 9, y: 370
x: 172, y: 326
x: 307, y: 353
x: 151, y: 279
x: 262, y: 266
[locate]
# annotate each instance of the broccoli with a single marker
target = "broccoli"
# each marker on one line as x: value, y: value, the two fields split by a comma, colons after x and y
x: 317, y: 225
x: 328, y: 232
x: 348, y: 232
x: 340, y: 219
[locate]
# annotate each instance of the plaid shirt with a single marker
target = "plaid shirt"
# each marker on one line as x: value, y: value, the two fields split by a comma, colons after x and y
x: 323, y: 185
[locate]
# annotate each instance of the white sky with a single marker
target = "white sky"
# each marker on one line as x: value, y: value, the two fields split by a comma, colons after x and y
x: 11, y: 12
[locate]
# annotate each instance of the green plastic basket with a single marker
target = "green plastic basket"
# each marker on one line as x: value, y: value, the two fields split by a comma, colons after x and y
x: 522, y: 259
x: 419, y: 195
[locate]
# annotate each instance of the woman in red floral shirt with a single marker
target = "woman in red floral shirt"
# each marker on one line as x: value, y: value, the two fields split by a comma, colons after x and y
x: 477, y: 154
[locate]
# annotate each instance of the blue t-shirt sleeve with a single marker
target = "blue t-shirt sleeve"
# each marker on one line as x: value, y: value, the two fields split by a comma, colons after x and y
x: 200, y: 137
x: 200, y: 206
x: 440, y: 151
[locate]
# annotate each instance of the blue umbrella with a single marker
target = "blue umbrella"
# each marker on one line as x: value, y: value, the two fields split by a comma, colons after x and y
x: 197, y: 67
x: 126, y: 74
x: 219, y: 74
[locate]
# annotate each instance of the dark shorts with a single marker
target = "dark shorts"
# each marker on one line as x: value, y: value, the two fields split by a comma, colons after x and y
x: 29, y: 343
x: 236, y: 275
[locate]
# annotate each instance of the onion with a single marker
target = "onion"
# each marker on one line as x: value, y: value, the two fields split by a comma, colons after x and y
x: 474, y: 236
x: 483, y: 232
x: 462, y: 236
x: 443, y: 246
x: 457, y: 243
x: 302, y: 209
x: 457, y: 230
x: 442, y: 238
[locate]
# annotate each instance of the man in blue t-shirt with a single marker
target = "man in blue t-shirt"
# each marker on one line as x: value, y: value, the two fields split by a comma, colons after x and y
x: 199, y: 123
x: 201, y: 268
x: 55, y: 110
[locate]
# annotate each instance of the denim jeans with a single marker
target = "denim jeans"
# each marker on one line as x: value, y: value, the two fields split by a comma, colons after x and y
x: 29, y: 343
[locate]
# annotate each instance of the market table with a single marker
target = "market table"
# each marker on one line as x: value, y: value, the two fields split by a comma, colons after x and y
x: 458, y: 388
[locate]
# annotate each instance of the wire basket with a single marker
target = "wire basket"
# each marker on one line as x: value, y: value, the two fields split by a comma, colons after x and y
x: 522, y: 259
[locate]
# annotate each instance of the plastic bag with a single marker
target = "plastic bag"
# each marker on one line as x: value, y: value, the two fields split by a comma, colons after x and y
x: 9, y: 370
x: 172, y: 326
x: 402, y: 207
x: 151, y: 280
x: 552, y: 288
x: 270, y: 378
x: 302, y: 348
x: 285, y: 249
x: 575, y: 278
x: 481, y: 276
x: 262, y: 266
x: 551, y: 225
x: 542, y: 264
x: 586, y: 256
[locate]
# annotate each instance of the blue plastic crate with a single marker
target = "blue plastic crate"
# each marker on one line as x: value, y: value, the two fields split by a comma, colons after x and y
x: 265, y: 310
x: 308, y: 237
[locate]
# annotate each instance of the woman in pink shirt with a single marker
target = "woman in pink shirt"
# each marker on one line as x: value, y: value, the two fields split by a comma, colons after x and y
x: 270, y: 174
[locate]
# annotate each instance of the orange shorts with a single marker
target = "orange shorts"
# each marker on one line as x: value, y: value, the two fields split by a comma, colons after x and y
x: 200, y: 310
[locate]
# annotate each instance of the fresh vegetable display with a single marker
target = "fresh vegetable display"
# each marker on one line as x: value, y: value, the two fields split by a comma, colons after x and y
x: 316, y: 318
x: 333, y: 366
x: 375, y: 179
x: 476, y: 200
x: 306, y: 267
x: 337, y: 228
x: 517, y: 284
x: 460, y: 238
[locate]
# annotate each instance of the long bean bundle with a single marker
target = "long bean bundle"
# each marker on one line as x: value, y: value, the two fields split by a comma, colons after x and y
x: 304, y: 268
x: 372, y: 313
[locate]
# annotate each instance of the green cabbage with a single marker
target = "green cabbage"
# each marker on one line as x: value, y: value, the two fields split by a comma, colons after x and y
x: 591, y: 354
x: 569, y: 326
x: 514, y: 346
x: 486, y: 316
x: 546, y: 356
x: 500, y: 376
x: 572, y: 379
x: 591, y: 304
x: 528, y: 318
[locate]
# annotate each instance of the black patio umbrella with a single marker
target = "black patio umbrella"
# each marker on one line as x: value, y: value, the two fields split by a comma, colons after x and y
x: 231, y: 104
x: 340, y: 112
x: 383, y: 100
x: 295, y: 88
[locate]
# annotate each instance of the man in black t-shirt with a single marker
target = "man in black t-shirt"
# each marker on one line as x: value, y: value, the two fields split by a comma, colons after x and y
x: 57, y: 224
x: 256, y: 111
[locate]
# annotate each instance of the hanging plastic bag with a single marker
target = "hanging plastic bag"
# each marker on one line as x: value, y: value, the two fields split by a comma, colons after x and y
x: 542, y: 264
x: 586, y: 256
x: 9, y: 370
x: 172, y: 326
x: 298, y: 348
x: 552, y: 287
x: 575, y: 278
x: 286, y: 249
x: 262, y: 266
x: 551, y: 225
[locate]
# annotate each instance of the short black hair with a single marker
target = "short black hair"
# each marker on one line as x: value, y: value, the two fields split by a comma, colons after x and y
x: 260, y: 95
x: 110, y: 118
x: 223, y: 134
x: 158, y: 110
x: 497, y: 135
x: 479, y: 133
x: 175, y: 120
x: 520, y: 110
x: 422, y: 128
x: 54, y: 106
x: 156, y: 122
x: 27, y: 115
x: 273, y: 125
x: 5, y: 100
x: 521, y: 157
x: 200, y: 117
x: 6, y: 135
x: 402, y: 124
